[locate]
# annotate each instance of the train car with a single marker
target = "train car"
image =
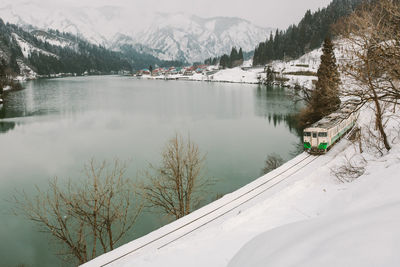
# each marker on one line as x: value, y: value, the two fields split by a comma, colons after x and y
x: 322, y: 135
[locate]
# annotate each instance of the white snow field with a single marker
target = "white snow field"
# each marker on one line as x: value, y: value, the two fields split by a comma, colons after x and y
x: 297, y: 215
x: 234, y: 75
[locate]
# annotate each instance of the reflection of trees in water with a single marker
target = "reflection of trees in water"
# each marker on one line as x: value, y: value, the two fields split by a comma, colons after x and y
x: 277, y: 119
x: 7, y: 113
x: 2, y: 112
x: 271, y: 99
x: 275, y: 105
x: 6, y: 126
x: 29, y: 102
x: 19, y: 110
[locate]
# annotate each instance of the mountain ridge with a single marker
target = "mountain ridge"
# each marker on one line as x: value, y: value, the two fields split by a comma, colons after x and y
x: 168, y: 36
x: 192, y: 38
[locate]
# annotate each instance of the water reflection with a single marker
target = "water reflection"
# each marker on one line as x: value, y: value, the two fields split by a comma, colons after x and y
x: 6, y: 126
x: 48, y: 97
x: 55, y: 126
x: 275, y: 105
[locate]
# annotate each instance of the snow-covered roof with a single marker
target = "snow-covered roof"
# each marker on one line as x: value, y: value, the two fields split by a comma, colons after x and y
x: 329, y: 121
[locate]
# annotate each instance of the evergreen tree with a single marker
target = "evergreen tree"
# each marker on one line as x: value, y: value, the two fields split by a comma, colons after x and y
x: 309, y: 34
x: 325, y: 98
x: 234, y: 54
x: 14, y: 65
x: 3, y: 66
x: 2, y: 75
x: 233, y: 60
x: 240, y: 57
x: 224, y: 61
x: 270, y: 76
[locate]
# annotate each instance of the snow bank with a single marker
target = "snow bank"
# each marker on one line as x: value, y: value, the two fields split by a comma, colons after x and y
x: 236, y: 75
x: 300, y: 80
x: 355, y: 225
x: 310, y: 219
x: 7, y: 88
x: 366, y: 238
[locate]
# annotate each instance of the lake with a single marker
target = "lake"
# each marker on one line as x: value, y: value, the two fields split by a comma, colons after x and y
x: 53, y: 127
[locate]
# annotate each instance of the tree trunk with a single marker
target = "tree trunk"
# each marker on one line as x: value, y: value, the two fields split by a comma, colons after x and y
x: 381, y: 129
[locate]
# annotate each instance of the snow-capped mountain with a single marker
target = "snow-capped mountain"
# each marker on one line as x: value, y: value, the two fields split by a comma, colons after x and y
x: 97, y: 25
x: 167, y: 36
x: 184, y: 37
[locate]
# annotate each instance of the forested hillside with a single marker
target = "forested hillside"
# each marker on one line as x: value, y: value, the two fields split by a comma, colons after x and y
x: 304, y: 37
x: 53, y: 52
x: 140, y: 60
x: 9, y: 49
x: 24, y: 51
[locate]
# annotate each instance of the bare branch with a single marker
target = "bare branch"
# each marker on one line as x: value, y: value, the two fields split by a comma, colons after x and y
x: 176, y: 185
x: 100, y: 209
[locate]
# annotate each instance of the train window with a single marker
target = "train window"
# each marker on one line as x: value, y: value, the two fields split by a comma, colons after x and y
x: 323, y: 134
x: 314, y: 135
x: 307, y: 134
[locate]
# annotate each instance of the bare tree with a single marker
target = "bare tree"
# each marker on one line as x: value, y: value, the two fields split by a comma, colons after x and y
x: 176, y: 186
x: 349, y: 171
x: 272, y: 162
x: 301, y: 94
x: 88, y: 217
x: 372, y: 36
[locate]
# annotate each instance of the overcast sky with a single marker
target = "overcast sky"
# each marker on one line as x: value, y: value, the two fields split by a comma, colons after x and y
x: 266, y: 13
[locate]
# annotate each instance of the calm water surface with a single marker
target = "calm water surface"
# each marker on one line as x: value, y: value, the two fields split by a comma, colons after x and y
x: 54, y: 126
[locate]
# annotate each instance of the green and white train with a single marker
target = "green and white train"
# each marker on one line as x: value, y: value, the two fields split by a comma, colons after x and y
x: 322, y: 135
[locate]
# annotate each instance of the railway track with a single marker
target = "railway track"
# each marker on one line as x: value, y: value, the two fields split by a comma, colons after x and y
x: 225, y: 206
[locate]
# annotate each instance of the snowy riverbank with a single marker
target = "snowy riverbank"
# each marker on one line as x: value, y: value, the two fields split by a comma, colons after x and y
x: 292, y: 72
x: 238, y: 75
x: 297, y: 215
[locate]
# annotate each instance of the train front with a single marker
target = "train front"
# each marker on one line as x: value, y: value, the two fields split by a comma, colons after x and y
x: 315, y: 140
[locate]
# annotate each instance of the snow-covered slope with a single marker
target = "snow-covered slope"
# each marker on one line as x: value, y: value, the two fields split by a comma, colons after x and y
x: 53, y: 39
x: 27, y: 48
x: 352, y: 224
x: 363, y: 238
x: 309, y: 219
x: 167, y: 36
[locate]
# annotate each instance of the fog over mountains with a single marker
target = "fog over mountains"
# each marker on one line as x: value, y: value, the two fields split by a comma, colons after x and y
x: 175, y: 36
